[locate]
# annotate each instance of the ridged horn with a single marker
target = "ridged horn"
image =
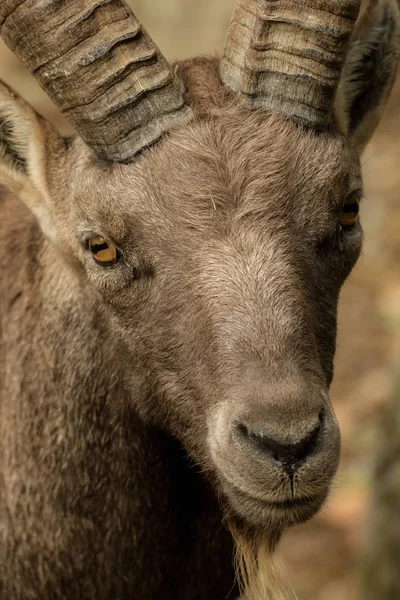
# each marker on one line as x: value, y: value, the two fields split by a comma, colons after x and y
x: 287, y: 55
x: 101, y: 69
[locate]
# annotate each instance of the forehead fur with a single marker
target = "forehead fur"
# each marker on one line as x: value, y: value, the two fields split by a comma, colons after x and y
x: 228, y: 161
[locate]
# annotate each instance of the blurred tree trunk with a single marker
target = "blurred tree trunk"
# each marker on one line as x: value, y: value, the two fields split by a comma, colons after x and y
x: 382, y: 565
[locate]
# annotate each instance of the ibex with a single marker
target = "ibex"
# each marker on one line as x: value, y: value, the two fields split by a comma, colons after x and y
x: 169, y: 286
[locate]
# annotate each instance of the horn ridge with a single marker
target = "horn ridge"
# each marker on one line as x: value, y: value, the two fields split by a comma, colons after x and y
x: 287, y: 55
x: 100, y: 67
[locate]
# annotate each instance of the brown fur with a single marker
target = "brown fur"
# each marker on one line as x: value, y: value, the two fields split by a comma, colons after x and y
x: 122, y: 388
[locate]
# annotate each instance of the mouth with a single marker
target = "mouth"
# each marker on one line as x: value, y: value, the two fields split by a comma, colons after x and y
x: 271, y: 514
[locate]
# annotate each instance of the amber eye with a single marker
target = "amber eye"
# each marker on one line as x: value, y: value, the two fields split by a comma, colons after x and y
x: 104, y: 252
x: 349, y: 214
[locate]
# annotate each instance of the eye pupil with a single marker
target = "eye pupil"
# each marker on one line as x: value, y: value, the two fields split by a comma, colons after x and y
x: 104, y: 252
x: 349, y: 214
x: 95, y: 248
x: 351, y: 208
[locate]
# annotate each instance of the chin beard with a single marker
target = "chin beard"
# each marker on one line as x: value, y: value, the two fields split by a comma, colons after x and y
x: 255, y: 544
x: 254, y: 563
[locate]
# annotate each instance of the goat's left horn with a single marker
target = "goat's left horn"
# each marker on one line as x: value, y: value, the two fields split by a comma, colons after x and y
x: 100, y: 68
x: 287, y: 55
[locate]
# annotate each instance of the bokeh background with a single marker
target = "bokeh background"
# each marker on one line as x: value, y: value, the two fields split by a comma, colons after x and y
x: 323, y: 559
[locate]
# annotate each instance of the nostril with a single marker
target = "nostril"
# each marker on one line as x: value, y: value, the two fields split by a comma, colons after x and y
x: 290, y: 455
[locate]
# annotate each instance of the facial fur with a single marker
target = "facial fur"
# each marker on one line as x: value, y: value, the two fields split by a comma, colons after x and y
x: 225, y: 296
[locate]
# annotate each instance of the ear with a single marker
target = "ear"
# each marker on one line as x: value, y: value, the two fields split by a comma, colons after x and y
x: 369, y: 71
x: 29, y: 150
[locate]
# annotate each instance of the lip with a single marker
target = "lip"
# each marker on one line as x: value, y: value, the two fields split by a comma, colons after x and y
x: 285, y: 513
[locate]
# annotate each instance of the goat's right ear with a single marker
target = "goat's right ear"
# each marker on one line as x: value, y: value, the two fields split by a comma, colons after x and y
x: 29, y: 145
x: 21, y: 141
x: 369, y: 71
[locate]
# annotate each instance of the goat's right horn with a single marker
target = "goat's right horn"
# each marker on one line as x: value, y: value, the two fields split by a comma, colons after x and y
x: 287, y: 55
x: 100, y: 68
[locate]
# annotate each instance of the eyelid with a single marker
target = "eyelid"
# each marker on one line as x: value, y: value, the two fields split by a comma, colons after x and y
x: 355, y: 196
x: 86, y: 235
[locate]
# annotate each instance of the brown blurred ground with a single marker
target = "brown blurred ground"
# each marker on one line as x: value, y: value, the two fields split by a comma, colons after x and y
x: 322, y: 558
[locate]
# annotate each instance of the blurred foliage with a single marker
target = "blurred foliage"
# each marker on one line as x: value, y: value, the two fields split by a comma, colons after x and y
x: 382, y: 563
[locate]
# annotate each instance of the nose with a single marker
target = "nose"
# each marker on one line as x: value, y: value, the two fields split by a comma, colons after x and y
x: 291, y: 454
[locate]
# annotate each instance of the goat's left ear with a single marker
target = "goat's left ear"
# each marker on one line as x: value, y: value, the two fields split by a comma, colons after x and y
x: 369, y: 72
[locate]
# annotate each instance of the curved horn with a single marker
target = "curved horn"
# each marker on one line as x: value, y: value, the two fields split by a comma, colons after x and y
x: 287, y: 55
x: 100, y: 68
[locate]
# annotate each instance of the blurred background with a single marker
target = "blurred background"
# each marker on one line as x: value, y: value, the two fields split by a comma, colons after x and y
x: 326, y: 559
